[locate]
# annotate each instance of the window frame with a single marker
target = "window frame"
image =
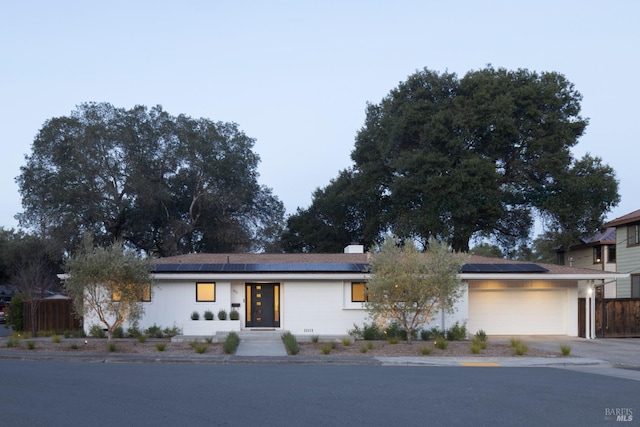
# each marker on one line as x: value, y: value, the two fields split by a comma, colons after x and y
x: 634, y: 286
x: 597, y: 254
x: 198, y: 284
x: 633, y: 230
x: 146, y: 296
x: 365, y: 298
x: 612, y: 253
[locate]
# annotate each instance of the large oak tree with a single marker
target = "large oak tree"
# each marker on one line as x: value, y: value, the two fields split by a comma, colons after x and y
x: 162, y: 184
x: 455, y: 159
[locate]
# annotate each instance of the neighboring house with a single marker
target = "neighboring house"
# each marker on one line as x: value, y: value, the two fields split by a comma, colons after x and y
x: 323, y: 294
x: 628, y: 253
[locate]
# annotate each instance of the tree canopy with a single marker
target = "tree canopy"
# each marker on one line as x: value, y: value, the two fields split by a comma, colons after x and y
x: 409, y: 286
x: 162, y: 184
x: 108, y: 285
x: 453, y: 159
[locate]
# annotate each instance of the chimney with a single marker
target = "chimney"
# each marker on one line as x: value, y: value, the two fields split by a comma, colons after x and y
x: 354, y: 249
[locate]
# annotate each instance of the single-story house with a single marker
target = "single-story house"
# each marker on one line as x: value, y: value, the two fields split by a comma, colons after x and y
x: 323, y: 294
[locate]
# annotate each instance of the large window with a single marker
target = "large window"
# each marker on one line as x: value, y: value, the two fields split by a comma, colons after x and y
x: 635, y: 286
x: 358, y: 292
x: 633, y: 235
x: 206, y: 292
x: 146, y: 294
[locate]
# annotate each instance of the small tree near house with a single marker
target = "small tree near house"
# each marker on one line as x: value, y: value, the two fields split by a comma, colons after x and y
x: 108, y: 284
x: 409, y: 286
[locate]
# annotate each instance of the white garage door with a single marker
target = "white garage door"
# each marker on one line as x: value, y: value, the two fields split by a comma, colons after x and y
x: 518, y: 311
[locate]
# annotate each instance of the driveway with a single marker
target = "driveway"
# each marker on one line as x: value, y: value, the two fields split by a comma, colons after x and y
x: 617, y: 351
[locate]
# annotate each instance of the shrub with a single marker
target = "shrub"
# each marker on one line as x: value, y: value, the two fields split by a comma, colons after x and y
x: 199, y: 348
x: 326, y: 349
x: 315, y: 338
x: 290, y: 343
x: 364, y: 348
x: 171, y: 332
x: 565, y: 349
x: 424, y: 350
x: 142, y: 338
x: 208, y: 315
x: 209, y: 340
x: 160, y: 346
x: 234, y: 315
x: 96, y: 331
x: 481, y: 336
x: 13, y: 342
x: 478, y: 342
x: 521, y: 349
x: 475, y: 348
x: 133, y: 331
x: 441, y: 343
x: 111, y: 346
x: 154, y: 331
x: 368, y: 332
x: 457, y: 332
x: 195, y: 316
x: 222, y: 314
x: 231, y: 343
x: 514, y: 342
x: 56, y: 339
x: 118, y: 332
x: 31, y: 345
x: 393, y: 340
x: 74, y: 346
x: 346, y: 342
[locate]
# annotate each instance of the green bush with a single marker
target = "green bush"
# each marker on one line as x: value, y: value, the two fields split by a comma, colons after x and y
x: 199, y: 348
x: 326, y: 349
x: 195, y: 316
x: 96, y: 331
x: 160, y: 346
x: 424, y: 350
x: 393, y: 340
x: 290, y: 343
x: 565, y: 349
x: 208, y: 315
x: 154, y: 331
x: 521, y: 349
x: 222, y: 314
x: 31, y: 345
x: 475, y: 348
x: 13, y: 342
x: 118, y: 332
x: 315, y: 338
x: 457, y: 332
x: 231, y: 343
x: 111, y: 346
x: 133, y: 331
x: 14, y: 312
x: 234, y: 315
x: 481, y: 335
x: 172, y: 331
x: 441, y: 343
x: 346, y: 342
x: 364, y: 348
x: 429, y: 334
x: 478, y: 342
x: 74, y: 346
x: 56, y: 339
x: 208, y: 340
x: 142, y: 338
x: 368, y: 332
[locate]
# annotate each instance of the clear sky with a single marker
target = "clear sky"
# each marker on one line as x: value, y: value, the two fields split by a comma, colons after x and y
x: 296, y: 75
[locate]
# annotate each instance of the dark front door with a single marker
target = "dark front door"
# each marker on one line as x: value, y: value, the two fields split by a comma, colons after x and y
x: 263, y: 305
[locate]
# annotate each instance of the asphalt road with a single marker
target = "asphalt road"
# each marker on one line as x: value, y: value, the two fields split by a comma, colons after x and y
x: 118, y: 394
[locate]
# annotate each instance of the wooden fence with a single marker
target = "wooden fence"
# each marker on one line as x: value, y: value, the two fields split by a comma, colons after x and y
x: 617, y: 318
x: 52, y: 315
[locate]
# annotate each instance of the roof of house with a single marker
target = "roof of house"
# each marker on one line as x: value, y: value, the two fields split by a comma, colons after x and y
x: 345, y: 263
x: 625, y: 219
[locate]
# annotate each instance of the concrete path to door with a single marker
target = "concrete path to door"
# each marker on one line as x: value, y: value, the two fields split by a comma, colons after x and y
x: 261, y: 343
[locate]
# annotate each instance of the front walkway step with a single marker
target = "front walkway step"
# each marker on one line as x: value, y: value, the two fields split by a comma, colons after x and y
x: 261, y: 348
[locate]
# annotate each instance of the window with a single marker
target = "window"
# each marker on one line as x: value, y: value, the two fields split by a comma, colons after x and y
x: 597, y: 254
x: 611, y: 253
x: 633, y: 235
x: 206, y: 292
x: 146, y: 294
x: 358, y: 292
x: 635, y: 286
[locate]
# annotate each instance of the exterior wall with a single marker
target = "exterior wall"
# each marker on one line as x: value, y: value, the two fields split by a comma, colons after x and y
x: 628, y: 261
x: 583, y: 258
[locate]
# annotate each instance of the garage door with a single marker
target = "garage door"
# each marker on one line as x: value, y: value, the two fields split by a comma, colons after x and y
x: 518, y: 312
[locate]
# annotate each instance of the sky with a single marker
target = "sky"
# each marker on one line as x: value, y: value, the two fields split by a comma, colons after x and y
x: 297, y: 75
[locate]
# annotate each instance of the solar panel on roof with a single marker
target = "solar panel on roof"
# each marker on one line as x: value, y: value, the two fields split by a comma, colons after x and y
x: 503, y: 268
x: 263, y: 268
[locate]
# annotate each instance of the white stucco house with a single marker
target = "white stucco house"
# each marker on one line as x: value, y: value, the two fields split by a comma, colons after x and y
x: 323, y: 294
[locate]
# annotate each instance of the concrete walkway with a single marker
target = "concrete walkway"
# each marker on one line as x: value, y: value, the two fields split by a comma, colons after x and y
x: 261, y: 344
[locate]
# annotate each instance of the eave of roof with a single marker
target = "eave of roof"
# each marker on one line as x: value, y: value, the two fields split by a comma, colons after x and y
x: 624, y: 219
